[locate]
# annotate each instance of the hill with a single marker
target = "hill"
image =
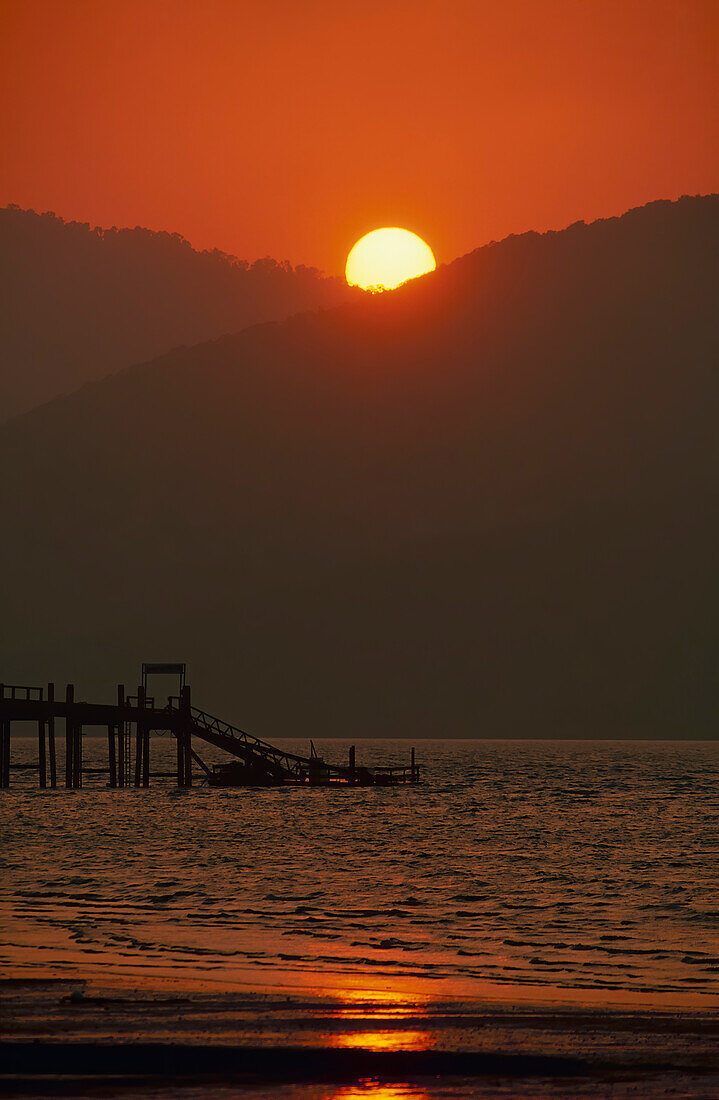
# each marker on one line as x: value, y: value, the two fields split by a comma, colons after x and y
x: 480, y: 505
x: 79, y: 302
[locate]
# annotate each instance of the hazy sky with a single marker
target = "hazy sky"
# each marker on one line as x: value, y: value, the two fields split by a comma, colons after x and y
x: 291, y: 128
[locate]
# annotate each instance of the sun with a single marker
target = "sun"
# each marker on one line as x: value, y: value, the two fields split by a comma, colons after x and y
x: 385, y: 258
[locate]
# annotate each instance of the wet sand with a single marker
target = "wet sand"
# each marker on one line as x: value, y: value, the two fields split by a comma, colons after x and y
x: 70, y: 1038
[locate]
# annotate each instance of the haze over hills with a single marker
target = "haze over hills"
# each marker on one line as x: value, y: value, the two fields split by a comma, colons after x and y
x: 481, y: 505
x: 80, y: 302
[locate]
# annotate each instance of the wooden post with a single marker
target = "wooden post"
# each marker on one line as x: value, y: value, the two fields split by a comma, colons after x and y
x: 138, y: 737
x: 180, y: 736
x: 188, y: 743
x: 51, y: 734
x: 142, y: 754
x: 413, y: 773
x: 353, y: 771
x: 41, y: 757
x: 121, y: 735
x: 77, y: 757
x: 112, y: 760
x: 186, y: 735
x: 146, y: 755
x: 3, y: 747
x: 69, y: 738
x: 5, y: 753
x: 145, y: 745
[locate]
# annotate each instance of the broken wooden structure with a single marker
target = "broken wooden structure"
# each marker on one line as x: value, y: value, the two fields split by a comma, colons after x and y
x: 129, y: 723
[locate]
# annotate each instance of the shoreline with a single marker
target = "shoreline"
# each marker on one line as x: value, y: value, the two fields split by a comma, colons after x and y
x: 38, y: 1011
x: 57, y: 1040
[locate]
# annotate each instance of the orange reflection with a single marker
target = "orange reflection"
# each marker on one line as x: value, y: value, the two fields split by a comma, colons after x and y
x: 372, y: 1091
x: 383, y: 1040
x: 391, y: 1002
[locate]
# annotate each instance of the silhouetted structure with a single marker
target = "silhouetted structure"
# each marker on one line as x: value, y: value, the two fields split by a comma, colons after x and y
x: 134, y: 717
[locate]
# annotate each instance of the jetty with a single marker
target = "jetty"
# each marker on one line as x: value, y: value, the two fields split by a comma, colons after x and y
x: 129, y: 723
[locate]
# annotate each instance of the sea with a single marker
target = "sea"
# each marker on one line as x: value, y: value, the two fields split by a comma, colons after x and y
x: 519, y: 876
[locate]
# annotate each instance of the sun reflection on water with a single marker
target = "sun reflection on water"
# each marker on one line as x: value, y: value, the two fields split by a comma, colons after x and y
x: 386, y: 1002
x: 371, y: 1090
x: 383, y: 1040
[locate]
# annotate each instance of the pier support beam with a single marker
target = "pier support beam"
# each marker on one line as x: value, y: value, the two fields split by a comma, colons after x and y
x: 138, y: 737
x: 121, y: 779
x: 353, y: 768
x: 69, y: 738
x: 181, y: 758
x: 142, y: 744
x: 184, y: 740
x: 51, y: 736
x: 145, y: 756
x: 41, y: 753
x: 77, y: 756
x: 5, y: 753
x: 188, y: 743
x: 111, y: 757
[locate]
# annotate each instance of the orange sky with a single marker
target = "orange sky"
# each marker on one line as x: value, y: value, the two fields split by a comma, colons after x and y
x: 292, y: 127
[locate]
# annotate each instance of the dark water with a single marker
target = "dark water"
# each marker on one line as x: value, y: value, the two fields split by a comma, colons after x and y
x: 521, y: 871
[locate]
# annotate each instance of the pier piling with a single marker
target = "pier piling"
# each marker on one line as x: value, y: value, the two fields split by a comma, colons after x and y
x: 41, y: 753
x: 121, y: 736
x: 5, y: 754
x: 184, y: 740
x: 51, y: 735
x: 138, y: 736
x: 145, y: 755
x: 69, y: 737
x: 180, y: 759
x: 145, y: 745
x: 112, y: 759
x: 77, y: 755
x: 142, y: 742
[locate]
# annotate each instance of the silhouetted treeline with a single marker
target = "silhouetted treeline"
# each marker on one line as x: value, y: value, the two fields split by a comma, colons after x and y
x: 483, y: 504
x: 79, y: 302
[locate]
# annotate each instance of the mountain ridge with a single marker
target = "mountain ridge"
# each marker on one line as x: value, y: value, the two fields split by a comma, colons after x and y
x: 474, y: 505
x: 479, y: 254
x: 77, y: 296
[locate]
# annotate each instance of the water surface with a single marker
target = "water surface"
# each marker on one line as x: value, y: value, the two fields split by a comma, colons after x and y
x: 520, y: 871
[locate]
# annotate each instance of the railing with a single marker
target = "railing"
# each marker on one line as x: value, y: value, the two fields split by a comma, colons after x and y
x: 408, y: 773
x: 305, y: 769
x: 402, y: 768
x: 218, y: 726
x: 20, y: 691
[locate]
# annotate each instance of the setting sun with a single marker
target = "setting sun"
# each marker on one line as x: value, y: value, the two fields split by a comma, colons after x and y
x: 387, y: 257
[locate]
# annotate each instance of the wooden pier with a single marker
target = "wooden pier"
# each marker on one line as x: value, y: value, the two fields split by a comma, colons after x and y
x: 129, y: 723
